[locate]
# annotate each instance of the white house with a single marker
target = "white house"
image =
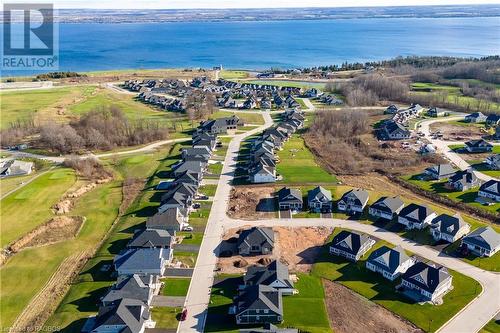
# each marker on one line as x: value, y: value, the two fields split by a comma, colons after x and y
x: 389, y: 262
x: 416, y: 216
x: 429, y: 282
x: 483, y: 241
x: 449, y: 228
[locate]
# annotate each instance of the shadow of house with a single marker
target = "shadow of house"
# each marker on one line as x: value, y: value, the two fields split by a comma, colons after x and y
x: 91, y: 301
x: 75, y: 326
x: 310, y: 255
x: 267, y: 205
x: 117, y: 245
x: 98, y: 273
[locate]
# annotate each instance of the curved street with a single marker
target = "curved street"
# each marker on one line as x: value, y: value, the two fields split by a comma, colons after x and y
x: 469, y: 320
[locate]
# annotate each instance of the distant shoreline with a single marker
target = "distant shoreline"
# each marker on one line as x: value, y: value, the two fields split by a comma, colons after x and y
x: 102, y: 16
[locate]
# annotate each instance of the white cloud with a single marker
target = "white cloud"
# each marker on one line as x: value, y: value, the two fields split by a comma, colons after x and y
x: 178, y: 4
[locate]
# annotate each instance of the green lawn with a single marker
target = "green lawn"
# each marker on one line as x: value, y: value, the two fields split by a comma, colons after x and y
x: 191, y: 238
x: 100, y: 207
x: 297, y: 164
x: 166, y: 317
x: 492, y: 327
x: 10, y: 183
x: 221, y: 298
x: 373, y: 286
x: 248, y: 118
x: 230, y: 75
x: 31, y: 205
x: 23, y: 105
x: 215, y: 168
x: 208, y: 190
x: 175, y: 287
x: 483, y: 168
x: 306, y: 310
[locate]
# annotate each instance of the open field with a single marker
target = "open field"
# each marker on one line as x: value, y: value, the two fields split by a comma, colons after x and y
x: 31, y: 206
x: 248, y: 118
x: 39, y: 104
x: 297, y: 164
x: 288, y: 83
x: 231, y: 75
x: 373, y: 286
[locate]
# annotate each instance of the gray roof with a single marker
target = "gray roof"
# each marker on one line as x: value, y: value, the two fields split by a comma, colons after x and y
x: 276, y: 270
x: 491, y: 186
x: 448, y: 224
x: 168, y: 219
x: 358, y: 195
x: 256, y: 235
x: 441, y: 169
x: 349, y: 241
x: 416, y: 213
x: 260, y: 297
x: 129, y: 313
x: 484, y: 237
x: 465, y: 177
x: 319, y: 192
x: 151, y: 238
x: 478, y: 143
x: 289, y: 194
x: 137, y: 286
x: 387, y: 258
x: 141, y: 259
x: 426, y: 277
x: 388, y: 204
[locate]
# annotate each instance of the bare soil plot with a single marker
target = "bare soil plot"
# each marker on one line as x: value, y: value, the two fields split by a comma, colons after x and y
x: 351, y: 313
x: 455, y: 132
x: 297, y: 247
x: 252, y: 203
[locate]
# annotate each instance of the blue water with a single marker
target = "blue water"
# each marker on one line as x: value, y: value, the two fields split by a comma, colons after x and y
x: 259, y: 45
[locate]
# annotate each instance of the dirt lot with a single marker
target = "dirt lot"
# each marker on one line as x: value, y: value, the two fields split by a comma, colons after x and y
x: 457, y: 133
x: 352, y: 313
x: 297, y: 247
x: 251, y: 203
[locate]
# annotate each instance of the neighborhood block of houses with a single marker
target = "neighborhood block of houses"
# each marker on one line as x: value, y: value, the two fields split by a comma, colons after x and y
x: 139, y: 267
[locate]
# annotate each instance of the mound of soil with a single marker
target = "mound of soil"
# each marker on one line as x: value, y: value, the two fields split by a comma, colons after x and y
x: 351, y: 313
x: 251, y: 203
x: 55, y: 230
x: 240, y: 263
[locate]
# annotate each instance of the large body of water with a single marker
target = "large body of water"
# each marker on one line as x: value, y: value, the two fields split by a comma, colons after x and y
x: 260, y: 45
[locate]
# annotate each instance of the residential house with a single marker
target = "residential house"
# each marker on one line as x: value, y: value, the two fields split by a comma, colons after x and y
x: 140, y: 287
x: 440, y: 171
x: 392, y: 130
x: 493, y: 161
x: 319, y: 199
x: 463, y: 180
x: 15, y: 168
x: 202, y: 139
x: 478, y: 146
x: 489, y: 191
x: 173, y: 199
x: 449, y: 228
x: 171, y: 219
x: 273, y: 275
x: 262, y: 174
x: 258, y: 305
x: 391, y: 109
x: 386, y: 208
x: 290, y: 199
x: 435, y: 112
x: 143, y: 261
x: 353, y: 202
x: 483, y: 241
x: 124, y: 315
x: 196, y: 154
x: 220, y: 125
x: 265, y: 103
x: 256, y: 241
x: 493, y: 119
x: 476, y: 117
x: 150, y: 238
x: 190, y: 166
x: 416, y: 216
x: 389, y: 262
x: 429, y: 282
x: 351, y: 245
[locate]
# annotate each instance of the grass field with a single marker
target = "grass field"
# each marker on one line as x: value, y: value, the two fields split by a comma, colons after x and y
x: 175, y: 287
x: 483, y: 168
x: 248, y: 118
x: 24, y: 105
x: 31, y: 205
x: 166, y: 317
x: 100, y: 207
x: 231, y: 75
x: 82, y: 298
x: 373, y: 286
x: 297, y: 164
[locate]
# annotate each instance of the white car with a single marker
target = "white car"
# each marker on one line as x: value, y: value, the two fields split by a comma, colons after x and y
x: 188, y: 228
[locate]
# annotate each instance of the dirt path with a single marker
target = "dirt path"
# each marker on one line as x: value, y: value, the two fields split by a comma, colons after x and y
x: 351, y: 313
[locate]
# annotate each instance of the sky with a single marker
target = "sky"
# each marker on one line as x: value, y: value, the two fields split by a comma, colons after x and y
x: 180, y: 4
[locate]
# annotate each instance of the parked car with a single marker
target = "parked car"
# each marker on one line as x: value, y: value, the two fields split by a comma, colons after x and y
x: 184, y: 314
x: 196, y: 205
x: 188, y: 228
